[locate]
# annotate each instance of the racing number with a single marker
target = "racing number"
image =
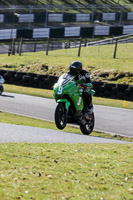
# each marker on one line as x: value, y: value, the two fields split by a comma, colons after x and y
x: 60, y: 90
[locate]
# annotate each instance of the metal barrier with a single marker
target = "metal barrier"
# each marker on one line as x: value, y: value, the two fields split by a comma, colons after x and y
x: 48, y: 15
x: 65, y: 32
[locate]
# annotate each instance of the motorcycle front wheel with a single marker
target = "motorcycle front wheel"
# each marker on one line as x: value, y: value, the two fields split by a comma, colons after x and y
x: 61, y: 116
x: 1, y: 89
x: 87, y: 128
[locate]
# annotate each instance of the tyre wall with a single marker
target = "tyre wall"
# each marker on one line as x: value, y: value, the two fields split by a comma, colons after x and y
x: 102, y: 89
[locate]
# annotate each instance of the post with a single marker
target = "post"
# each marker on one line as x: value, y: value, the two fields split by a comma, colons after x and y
x: 9, y: 51
x: 29, y: 19
x: 47, y: 47
x: 11, y: 37
x: 75, y: 43
x: 35, y: 46
x: 85, y: 42
x: 79, y: 47
x: 20, y: 46
x: 46, y: 17
x: 120, y: 20
x: 65, y: 46
x: 13, y: 47
x: 92, y: 16
x: 69, y: 44
x: 115, y: 48
x: 52, y: 45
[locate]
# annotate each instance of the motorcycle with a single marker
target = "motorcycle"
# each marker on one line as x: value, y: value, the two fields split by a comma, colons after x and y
x: 1, y: 84
x: 70, y: 107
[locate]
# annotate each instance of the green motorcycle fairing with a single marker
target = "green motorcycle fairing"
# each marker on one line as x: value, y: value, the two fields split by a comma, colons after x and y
x: 67, y: 103
x: 66, y: 86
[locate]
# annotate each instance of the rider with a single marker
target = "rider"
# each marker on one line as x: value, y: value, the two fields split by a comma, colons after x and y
x: 76, y: 70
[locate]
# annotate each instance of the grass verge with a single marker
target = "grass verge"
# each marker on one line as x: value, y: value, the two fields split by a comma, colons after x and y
x: 64, y: 171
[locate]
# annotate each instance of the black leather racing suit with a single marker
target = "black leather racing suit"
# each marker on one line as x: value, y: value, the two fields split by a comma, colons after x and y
x: 87, y: 98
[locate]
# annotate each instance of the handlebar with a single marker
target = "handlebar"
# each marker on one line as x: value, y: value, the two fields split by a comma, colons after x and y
x: 82, y: 86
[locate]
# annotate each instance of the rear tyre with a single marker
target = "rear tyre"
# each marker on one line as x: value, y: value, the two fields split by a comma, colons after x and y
x: 1, y: 89
x: 61, y: 116
x: 87, y: 127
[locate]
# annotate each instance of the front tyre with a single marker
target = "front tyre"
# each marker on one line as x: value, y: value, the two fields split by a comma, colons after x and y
x: 87, y: 128
x: 61, y: 116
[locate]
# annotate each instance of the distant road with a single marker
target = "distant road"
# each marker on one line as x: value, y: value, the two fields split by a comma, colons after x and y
x: 30, y: 47
x: 108, y: 119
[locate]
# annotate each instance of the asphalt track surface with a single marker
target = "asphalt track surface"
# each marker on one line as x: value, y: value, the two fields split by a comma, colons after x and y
x: 108, y: 119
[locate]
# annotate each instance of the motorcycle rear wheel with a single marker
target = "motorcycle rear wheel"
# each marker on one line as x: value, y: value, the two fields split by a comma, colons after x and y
x: 87, y: 128
x: 61, y: 116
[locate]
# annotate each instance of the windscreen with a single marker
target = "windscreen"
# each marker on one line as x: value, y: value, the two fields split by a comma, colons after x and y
x: 65, y: 78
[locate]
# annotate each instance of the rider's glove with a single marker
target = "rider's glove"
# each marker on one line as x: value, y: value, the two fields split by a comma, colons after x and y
x: 89, y: 85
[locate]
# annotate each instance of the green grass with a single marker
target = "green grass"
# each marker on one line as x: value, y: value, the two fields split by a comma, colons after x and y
x: 70, y: 6
x: 56, y: 2
x: 97, y: 60
x: 49, y: 94
x: 65, y: 171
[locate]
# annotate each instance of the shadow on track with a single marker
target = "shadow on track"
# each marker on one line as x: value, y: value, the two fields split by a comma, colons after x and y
x: 3, y: 95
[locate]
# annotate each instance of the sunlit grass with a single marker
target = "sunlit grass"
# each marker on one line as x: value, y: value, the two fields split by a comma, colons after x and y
x: 92, y: 57
x: 66, y: 171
